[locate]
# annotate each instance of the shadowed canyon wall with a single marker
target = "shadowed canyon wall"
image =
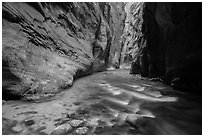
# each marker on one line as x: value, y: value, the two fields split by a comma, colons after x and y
x: 173, y: 45
x: 47, y: 45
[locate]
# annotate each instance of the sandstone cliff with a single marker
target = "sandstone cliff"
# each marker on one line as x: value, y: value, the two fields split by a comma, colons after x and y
x: 46, y: 45
x: 133, y: 38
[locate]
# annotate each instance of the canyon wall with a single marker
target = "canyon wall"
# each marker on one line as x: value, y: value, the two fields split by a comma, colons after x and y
x: 47, y: 45
x: 171, y: 45
x: 133, y: 38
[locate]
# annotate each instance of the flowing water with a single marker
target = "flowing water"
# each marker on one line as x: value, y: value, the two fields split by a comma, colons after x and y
x: 109, y: 103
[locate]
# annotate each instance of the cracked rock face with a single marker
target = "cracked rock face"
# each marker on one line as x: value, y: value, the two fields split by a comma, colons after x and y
x: 46, y: 45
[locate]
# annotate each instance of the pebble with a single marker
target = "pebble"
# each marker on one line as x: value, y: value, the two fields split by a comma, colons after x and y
x: 82, y: 130
x: 29, y: 122
x: 76, y: 123
x: 62, y: 129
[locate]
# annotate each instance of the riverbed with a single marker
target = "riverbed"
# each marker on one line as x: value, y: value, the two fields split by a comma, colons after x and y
x: 108, y: 103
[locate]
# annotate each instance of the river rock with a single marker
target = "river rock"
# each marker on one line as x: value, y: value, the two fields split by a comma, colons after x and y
x: 76, y: 123
x: 29, y: 122
x: 62, y: 129
x: 82, y: 130
x: 134, y: 119
x: 18, y: 128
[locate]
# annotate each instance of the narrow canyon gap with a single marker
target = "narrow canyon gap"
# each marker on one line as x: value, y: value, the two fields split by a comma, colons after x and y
x: 122, y: 56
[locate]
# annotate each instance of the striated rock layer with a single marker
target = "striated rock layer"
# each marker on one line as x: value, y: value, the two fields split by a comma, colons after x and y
x: 46, y: 45
x: 171, y: 46
x: 133, y: 38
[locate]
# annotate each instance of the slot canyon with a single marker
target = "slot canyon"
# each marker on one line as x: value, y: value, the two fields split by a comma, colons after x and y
x: 101, y: 68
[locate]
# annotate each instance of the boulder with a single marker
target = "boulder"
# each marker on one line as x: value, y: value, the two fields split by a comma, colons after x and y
x: 62, y: 129
x: 76, y: 123
x: 82, y: 130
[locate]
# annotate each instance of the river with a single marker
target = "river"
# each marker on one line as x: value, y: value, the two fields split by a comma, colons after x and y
x: 109, y: 103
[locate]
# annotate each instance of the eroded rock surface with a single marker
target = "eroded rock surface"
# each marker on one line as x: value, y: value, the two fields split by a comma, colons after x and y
x: 47, y: 45
x: 133, y: 38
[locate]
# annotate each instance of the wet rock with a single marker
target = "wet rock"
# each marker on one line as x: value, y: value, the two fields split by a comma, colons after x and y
x: 121, y: 118
x: 76, y: 123
x: 82, y: 130
x: 134, y: 120
x: 62, y: 129
x: 17, y: 128
x: 71, y: 115
x: 29, y: 122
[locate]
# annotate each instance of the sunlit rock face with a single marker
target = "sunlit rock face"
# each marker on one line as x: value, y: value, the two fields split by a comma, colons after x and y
x: 133, y: 38
x: 46, y: 45
x: 173, y: 44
